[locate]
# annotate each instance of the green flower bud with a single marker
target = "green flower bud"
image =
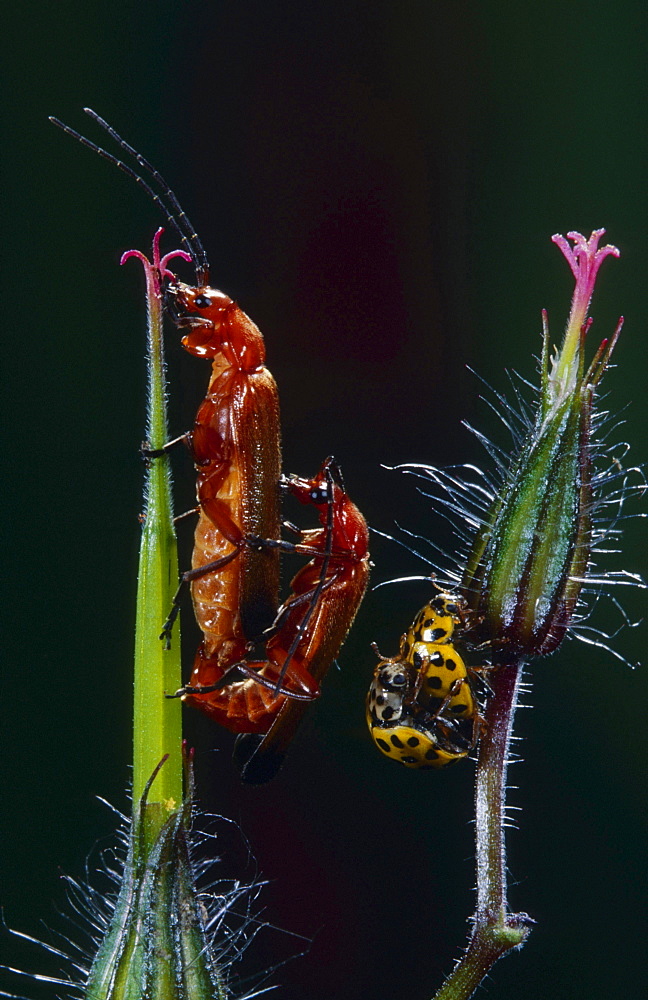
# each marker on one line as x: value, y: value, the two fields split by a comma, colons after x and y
x: 526, y: 567
x: 156, y: 945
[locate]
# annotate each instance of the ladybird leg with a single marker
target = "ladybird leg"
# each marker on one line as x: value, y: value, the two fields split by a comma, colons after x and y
x: 454, y: 690
x: 480, y: 675
x: 477, y: 731
x: 191, y: 574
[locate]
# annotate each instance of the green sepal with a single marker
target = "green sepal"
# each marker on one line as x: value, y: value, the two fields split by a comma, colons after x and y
x: 526, y: 561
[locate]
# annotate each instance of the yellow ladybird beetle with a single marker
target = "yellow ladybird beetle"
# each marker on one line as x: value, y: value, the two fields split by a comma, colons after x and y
x: 421, y: 709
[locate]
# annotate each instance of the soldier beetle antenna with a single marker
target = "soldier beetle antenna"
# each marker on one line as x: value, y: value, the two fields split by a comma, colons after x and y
x: 174, y: 214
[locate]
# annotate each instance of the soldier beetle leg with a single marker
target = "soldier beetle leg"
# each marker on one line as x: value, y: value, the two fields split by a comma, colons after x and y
x: 247, y: 670
x: 147, y: 452
x: 188, y: 577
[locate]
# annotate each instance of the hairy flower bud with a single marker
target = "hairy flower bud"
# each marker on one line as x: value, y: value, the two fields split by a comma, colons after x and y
x: 526, y: 566
x: 156, y: 944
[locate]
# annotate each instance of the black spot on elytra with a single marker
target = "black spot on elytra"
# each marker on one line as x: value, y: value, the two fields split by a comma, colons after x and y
x: 431, y: 754
x: 397, y: 743
x: 434, y: 681
x: 436, y: 658
x: 413, y: 741
x: 383, y: 744
x: 451, y: 664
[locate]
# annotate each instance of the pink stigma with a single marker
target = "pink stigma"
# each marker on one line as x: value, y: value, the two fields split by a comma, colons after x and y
x: 584, y: 259
x: 156, y: 269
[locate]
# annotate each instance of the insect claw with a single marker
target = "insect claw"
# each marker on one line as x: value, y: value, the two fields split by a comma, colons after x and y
x: 167, y: 629
x: 147, y: 452
x: 285, y: 482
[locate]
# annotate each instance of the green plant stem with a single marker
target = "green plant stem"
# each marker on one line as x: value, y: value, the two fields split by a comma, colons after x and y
x: 495, y: 929
x: 157, y: 720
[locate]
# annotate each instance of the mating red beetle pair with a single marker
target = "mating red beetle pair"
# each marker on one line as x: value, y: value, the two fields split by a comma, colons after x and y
x: 234, y: 578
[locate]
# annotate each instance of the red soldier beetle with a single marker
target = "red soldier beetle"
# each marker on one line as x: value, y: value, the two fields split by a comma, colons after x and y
x: 334, y: 583
x: 307, y: 635
x: 235, y: 445
x: 235, y: 567
x: 235, y: 442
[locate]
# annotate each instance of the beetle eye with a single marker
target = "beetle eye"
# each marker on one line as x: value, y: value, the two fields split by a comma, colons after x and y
x: 202, y: 302
x: 319, y: 494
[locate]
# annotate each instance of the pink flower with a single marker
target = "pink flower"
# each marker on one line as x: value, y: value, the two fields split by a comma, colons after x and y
x: 156, y: 270
x: 584, y: 259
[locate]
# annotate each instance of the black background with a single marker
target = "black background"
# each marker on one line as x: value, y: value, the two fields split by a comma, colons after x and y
x: 377, y: 185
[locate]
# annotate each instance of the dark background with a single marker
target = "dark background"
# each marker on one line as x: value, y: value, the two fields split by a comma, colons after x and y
x: 377, y: 185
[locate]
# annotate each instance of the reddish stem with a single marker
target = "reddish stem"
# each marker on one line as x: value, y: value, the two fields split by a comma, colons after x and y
x: 495, y: 930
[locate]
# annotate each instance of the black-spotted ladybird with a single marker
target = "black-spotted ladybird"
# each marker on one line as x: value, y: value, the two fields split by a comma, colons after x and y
x: 421, y: 708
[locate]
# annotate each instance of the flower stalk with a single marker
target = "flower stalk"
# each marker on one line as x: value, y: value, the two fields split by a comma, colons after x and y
x: 156, y: 944
x: 495, y: 929
x: 522, y: 581
x: 157, y: 729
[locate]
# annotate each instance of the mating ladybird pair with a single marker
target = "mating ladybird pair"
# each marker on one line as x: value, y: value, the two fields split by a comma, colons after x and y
x: 421, y: 708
